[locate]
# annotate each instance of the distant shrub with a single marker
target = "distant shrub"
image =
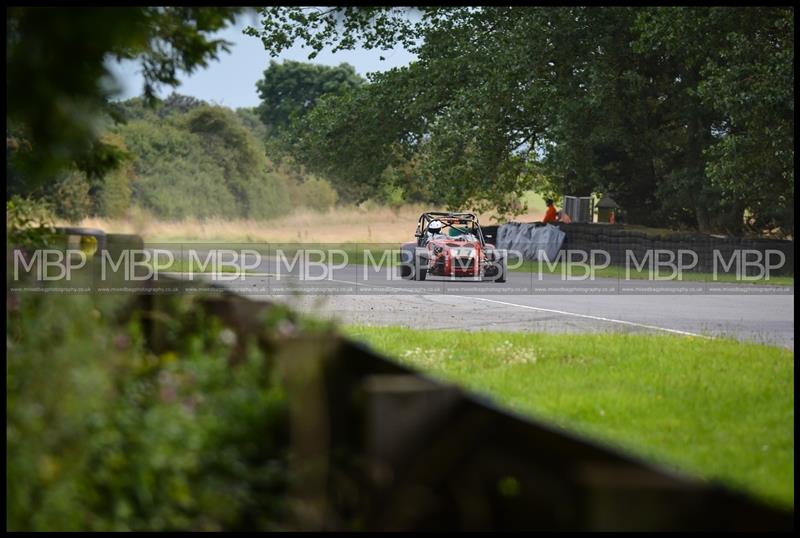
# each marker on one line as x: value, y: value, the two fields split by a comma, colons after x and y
x: 304, y: 190
x: 114, y: 199
x: 267, y: 197
x: 173, y: 177
x: 202, y: 162
x: 314, y: 193
x: 112, y: 195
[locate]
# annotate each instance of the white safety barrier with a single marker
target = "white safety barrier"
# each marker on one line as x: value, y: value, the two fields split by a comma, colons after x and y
x: 531, y: 241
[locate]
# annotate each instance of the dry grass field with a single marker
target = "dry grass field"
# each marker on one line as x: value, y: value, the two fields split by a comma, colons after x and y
x: 341, y: 224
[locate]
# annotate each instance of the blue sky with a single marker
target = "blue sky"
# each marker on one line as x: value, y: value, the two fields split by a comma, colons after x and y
x: 231, y: 80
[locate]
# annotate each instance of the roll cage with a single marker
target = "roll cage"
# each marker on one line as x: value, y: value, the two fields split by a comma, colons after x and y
x: 452, y: 220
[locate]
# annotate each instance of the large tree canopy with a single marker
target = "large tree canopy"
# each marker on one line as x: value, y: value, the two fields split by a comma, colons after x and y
x: 684, y: 115
x: 290, y: 89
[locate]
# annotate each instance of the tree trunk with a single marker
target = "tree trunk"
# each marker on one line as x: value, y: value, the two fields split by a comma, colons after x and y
x: 703, y: 220
x: 698, y: 139
x: 732, y: 221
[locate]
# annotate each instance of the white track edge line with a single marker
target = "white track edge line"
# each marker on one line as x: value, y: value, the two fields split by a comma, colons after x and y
x: 527, y: 307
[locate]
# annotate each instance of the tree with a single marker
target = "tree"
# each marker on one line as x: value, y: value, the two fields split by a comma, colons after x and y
x: 229, y: 143
x: 751, y: 87
x: 71, y: 197
x: 250, y: 119
x: 176, y: 103
x: 290, y: 89
x: 202, y: 163
x: 434, y: 103
x: 289, y: 92
x: 111, y: 197
x: 173, y: 176
x: 364, y: 141
x: 463, y: 110
x: 616, y: 100
x: 57, y: 79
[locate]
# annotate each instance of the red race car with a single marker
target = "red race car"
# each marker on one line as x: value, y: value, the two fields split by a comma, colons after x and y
x: 451, y: 245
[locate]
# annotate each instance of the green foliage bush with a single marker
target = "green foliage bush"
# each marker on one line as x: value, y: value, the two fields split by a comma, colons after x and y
x: 314, y: 193
x: 174, y: 177
x: 202, y: 163
x: 303, y: 189
x: 231, y: 144
x: 114, y: 198
x: 250, y: 119
x: 104, y: 434
x: 185, y: 159
x: 111, y: 194
x: 29, y: 222
x: 71, y: 198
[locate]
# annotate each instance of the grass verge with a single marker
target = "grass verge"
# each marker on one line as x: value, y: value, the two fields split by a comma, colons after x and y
x: 718, y: 409
x: 191, y: 266
x: 619, y: 273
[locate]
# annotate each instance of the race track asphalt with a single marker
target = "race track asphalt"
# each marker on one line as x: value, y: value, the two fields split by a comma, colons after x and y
x: 528, y: 302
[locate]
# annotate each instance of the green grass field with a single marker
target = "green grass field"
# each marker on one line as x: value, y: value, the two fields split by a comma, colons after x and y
x: 717, y: 409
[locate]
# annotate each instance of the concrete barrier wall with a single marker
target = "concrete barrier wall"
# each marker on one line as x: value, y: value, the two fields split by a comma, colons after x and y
x: 616, y: 239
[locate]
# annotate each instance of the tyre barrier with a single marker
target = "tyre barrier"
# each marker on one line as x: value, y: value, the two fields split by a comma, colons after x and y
x: 490, y: 234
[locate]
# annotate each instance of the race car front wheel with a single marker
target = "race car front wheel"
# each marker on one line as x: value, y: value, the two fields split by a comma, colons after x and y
x: 420, y: 268
x: 421, y: 272
x: 502, y: 276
